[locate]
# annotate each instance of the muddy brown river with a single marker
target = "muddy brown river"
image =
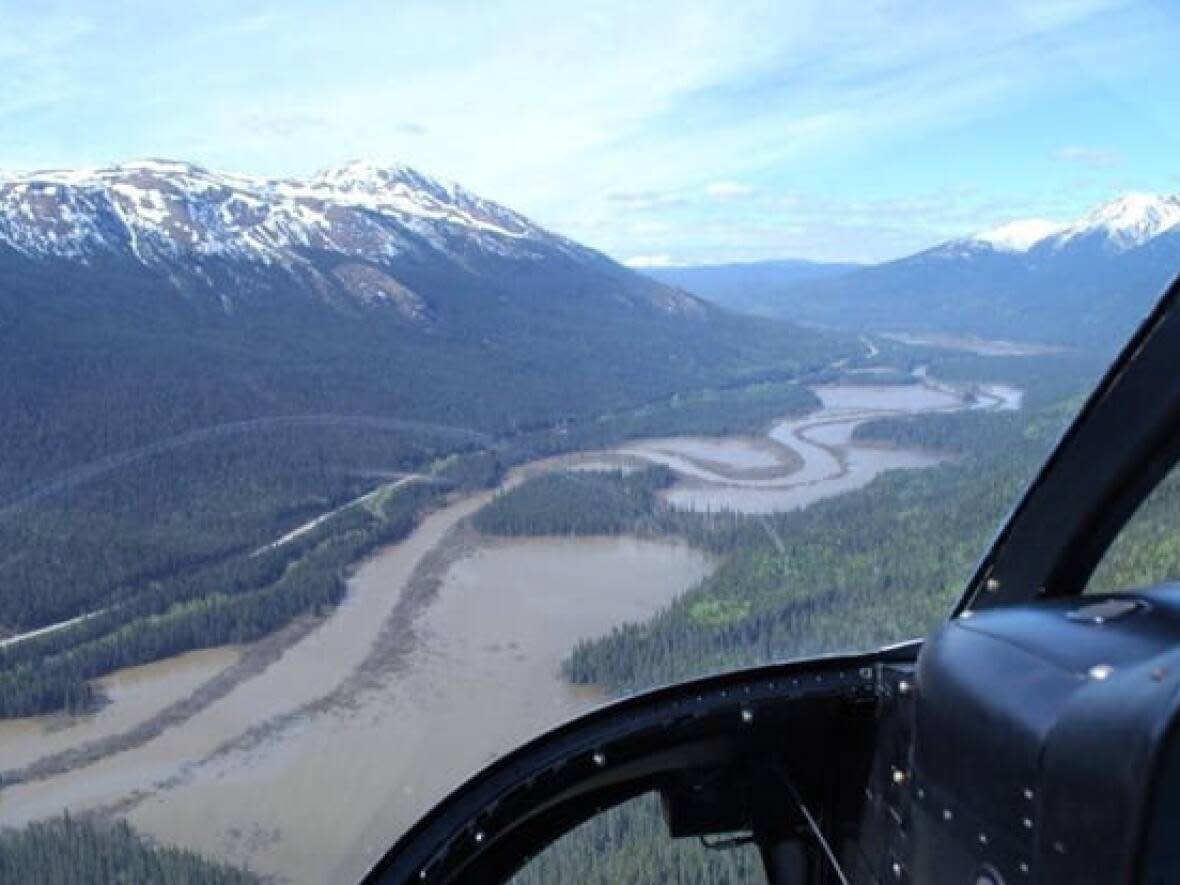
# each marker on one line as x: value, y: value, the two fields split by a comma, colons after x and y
x: 307, y: 769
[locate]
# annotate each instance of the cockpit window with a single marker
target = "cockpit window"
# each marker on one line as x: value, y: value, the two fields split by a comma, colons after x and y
x: 1147, y: 549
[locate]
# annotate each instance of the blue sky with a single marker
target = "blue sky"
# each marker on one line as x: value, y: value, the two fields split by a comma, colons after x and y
x: 660, y: 132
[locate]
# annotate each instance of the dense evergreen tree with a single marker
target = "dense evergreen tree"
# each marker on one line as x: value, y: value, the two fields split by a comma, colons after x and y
x: 81, y: 851
x: 576, y: 502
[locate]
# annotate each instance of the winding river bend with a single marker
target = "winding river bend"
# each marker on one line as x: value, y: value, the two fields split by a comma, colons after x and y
x: 445, y: 652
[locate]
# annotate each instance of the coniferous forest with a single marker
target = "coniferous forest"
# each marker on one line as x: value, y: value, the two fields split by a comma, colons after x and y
x: 79, y: 851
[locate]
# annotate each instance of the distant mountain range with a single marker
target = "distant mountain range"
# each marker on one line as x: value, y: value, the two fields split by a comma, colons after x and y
x: 1084, y: 283
x: 739, y: 285
x: 151, y: 298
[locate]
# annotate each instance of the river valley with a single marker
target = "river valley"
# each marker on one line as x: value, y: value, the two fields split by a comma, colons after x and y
x: 445, y: 652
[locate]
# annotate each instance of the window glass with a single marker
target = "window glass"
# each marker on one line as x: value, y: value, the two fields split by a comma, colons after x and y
x: 630, y: 843
x: 382, y: 385
x: 1146, y: 550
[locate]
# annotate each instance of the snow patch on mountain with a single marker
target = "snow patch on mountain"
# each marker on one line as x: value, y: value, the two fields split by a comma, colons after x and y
x: 1129, y: 221
x: 1018, y: 236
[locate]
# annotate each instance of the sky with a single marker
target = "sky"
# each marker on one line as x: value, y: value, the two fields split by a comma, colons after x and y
x: 660, y: 132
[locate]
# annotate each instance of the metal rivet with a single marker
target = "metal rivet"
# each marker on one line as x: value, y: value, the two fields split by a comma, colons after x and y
x: 991, y: 585
x: 1059, y: 847
x: 897, y: 870
x: 422, y: 874
x: 747, y: 715
x: 904, y: 687
x: 983, y: 838
x: 478, y: 837
x: 1027, y: 823
x: 899, y: 777
x: 1101, y: 671
x: 966, y: 615
x: 1024, y: 868
x: 599, y: 758
x: 947, y: 814
x: 921, y: 793
x: 1028, y: 793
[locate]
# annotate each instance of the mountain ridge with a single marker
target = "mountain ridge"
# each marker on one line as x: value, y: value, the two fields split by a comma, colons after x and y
x: 164, y: 198
x: 353, y: 235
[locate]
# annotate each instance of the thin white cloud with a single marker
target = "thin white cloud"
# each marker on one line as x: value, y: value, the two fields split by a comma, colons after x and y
x: 32, y: 35
x: 645, y: 201
x: 36, y: 49
x: 646, y: 261
x: 1088, y: 156
x: 724, y: 191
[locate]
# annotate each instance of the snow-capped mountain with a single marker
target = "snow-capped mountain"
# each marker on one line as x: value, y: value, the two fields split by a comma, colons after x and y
x: 160, y: 210
x: 1126, y: 223
x: 1086, y: 282
x: 380, y: 235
